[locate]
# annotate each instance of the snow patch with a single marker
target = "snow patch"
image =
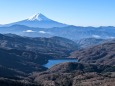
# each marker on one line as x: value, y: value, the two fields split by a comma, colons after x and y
x: 38, y: 17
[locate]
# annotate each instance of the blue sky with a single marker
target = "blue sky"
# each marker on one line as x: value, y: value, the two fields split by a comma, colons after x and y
x: 73, y: 12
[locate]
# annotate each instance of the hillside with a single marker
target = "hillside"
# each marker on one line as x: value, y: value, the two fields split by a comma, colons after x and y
x: 100, y: 54
x: 53, y: 46
x: 15, y: 63
x: 76, y: 74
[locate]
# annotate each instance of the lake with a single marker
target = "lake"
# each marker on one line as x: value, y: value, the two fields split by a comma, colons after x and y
x: 57, y: 61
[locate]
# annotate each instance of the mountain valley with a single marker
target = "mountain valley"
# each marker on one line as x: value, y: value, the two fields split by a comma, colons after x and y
x: 27, y: 45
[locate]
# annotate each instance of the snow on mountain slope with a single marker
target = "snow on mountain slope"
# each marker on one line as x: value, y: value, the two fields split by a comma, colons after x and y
x: 39, y: 17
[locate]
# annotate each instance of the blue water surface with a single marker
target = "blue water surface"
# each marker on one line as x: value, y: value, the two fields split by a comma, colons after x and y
x: 57, y: 61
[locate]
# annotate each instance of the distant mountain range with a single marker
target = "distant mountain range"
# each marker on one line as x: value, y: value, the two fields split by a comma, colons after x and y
x: 89, y: 42
x: 41, y: 26
x: 71, y: 32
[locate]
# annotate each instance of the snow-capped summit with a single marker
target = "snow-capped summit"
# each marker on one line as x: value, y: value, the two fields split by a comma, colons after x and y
x: 39, y: 17
x: 38, y: 20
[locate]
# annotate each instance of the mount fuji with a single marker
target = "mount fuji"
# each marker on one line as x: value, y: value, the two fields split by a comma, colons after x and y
x: 38, y: 20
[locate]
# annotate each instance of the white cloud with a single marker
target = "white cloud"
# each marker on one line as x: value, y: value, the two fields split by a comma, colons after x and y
x: 29, y: 31
x: 96, y: 36
x: 112, y: 37
x: 43, y: 32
